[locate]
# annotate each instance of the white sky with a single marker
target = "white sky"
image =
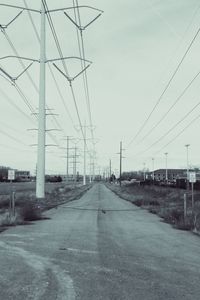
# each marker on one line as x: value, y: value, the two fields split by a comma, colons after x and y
x: 135, y: 46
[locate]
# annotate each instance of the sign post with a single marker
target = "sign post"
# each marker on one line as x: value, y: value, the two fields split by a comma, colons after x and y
x: 192, y: 179
x: 11, y: 177
x: 185, y: 206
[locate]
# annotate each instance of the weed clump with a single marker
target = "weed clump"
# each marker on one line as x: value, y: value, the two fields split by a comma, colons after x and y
x: 30, y: 212
x: 167, y: 203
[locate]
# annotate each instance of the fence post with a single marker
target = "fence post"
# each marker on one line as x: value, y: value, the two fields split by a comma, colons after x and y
x: 13, y: 203
x: 185, y: 206
x: 192, y: 195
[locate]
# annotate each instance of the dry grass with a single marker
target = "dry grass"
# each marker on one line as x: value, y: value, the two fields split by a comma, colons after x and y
x: 165, y: 202
x: 29, y: 209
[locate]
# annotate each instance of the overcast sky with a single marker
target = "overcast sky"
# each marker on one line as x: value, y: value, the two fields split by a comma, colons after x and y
x: 135, y: 48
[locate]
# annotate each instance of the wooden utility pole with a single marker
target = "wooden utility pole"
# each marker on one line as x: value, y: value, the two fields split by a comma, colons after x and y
x: 120, y: 163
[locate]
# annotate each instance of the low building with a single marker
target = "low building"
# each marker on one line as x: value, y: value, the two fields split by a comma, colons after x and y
x: 22, y: 175
x: 172, y: 174
x: 19, y: 175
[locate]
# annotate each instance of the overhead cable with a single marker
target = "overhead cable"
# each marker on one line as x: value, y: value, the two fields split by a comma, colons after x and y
x: 170, y: 130
x: 63, y: 63
x: 174, y: 138
x: 166, y: 87
x: 171, y: 107
x: 83, y: 64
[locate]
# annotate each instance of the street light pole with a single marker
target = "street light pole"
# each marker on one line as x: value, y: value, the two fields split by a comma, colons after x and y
x: 166, y: 171
x: 187, y: 185
x: 120, y: 164
x: 110, y: 168
x: 84, y: 156
x: 40, y: 178
x: 153, y: 175
x: 144, y: 173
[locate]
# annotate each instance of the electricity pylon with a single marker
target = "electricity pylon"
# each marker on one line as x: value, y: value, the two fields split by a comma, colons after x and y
x: 40, y: 176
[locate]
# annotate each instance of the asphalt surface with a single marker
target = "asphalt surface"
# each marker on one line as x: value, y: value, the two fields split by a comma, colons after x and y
x: 99, y: 247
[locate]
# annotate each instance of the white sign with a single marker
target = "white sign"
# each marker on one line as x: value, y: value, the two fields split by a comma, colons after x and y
x: 192, y: 177
x: 11, y: 174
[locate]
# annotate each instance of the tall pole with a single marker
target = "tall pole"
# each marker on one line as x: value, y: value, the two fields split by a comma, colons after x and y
x: 153, y: 175
x: 93, y: 165
x: 75, y: 162
x: 120, y: 164
x: 90, y: 168
x: 144, y: 173
x: 67, y: 171
x: 84, y: 154
x: 166, y: 168
x: 40, y: 178
x: 110, y: 167
x: 187, y: 182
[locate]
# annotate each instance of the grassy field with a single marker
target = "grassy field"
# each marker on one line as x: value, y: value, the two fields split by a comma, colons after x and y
x: 27, y: 207
x: 167, y: 202
x: 6, y: 187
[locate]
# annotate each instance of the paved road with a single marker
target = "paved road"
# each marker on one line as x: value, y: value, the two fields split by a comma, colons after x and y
x: 99, y: 247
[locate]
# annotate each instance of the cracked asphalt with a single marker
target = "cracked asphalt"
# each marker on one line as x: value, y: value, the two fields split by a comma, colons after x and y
x: 99, y: 247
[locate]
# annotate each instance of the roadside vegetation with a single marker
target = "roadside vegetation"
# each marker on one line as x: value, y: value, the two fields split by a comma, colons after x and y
x: 166, y: 202
x: 27, y: 207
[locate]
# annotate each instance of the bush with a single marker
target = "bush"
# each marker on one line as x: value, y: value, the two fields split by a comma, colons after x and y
x: 172, y: 216
x: 153, y: 210
x: 4, y: 203
x: 138, y: 202
x: 154, y: 203
x: 30, y: 212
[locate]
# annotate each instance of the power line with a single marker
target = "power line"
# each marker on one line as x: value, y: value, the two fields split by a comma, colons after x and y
x: 172, y: 140
x: 171, y: 129
x: 63, y: 63
x: 166, y: 87
x: 51, y: 72
x: 171, y: 107
x: 61, y: 96
x: 61, y: 55
x: 22, y: 63
x: 8, y: 147
x: 24, y: 98
x: 12, y: 137
x: 14, y: 105
x: 20, y: 60
x: 83, y: 63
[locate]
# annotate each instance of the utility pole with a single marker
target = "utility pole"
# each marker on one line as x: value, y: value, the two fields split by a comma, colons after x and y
x: 187, y: 160
x: 166, y: 168
x: 120, y: 162
x: 84, y: 156
x: 153, y: 174
x: 67, y: 171
x: 40, y: 177
x: 91, y: 165
x: 74, y: 163
x: 85, y: 139
x: 144, y: 172
x: 92, y: 156
x: 68, y: 139
x: 110, y: 168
